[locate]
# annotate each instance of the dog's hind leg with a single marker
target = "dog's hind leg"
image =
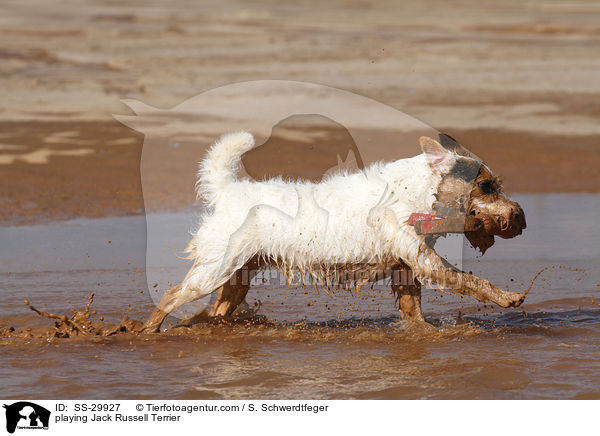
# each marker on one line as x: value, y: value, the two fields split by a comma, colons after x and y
x: 234, y: 291
x: 172, y: 299
x: 159, y: 313
x: 230, y: 295
x: 200, y: 281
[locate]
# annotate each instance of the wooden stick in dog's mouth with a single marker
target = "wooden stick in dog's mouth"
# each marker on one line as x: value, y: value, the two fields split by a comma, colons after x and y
x: 426, y: 224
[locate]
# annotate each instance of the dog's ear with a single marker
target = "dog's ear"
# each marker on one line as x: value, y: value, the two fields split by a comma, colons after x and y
x: 439, y: 159
x: 449, y: 143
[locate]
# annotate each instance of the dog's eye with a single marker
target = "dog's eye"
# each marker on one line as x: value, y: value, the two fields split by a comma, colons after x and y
x: 487, y: 187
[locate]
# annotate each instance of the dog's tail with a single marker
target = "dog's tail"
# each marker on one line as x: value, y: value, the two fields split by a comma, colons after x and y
x: 221, y: 164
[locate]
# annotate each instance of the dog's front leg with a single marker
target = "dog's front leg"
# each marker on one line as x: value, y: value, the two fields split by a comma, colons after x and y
x: 407, y: 292
x: 428, y: 265
x: 409, y: 300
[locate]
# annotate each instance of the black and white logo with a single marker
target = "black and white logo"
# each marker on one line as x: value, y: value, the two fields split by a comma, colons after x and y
x: 26, y: 415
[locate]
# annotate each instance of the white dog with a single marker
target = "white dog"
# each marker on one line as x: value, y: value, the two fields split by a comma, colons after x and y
x: 356, y: 222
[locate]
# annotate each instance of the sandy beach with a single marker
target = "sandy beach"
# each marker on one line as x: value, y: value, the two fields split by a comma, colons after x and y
x: 516, y: 84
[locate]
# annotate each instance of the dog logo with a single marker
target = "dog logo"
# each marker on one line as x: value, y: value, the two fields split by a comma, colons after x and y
x: 26, y: 415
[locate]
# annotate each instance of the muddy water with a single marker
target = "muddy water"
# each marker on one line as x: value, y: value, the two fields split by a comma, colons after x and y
x: 306, y: 344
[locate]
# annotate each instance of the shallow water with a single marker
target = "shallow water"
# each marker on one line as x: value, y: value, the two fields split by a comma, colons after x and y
x: 309, y: 345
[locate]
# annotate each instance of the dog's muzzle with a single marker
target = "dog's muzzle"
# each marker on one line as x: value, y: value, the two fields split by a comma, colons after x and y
x: 505, y: 227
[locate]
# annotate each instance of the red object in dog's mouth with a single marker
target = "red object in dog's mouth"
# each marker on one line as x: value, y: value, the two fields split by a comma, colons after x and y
x: 416, y: 217
x: 430, y: 224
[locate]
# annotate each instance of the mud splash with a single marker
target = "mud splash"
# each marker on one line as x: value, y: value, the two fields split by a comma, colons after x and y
x: 554, y: 267
x: 86, y: 323
x: 79, y: 324
x: 546, y: 349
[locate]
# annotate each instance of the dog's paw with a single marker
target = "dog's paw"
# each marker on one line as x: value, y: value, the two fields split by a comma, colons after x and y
x: 515, y: 299
x: 147, y: 329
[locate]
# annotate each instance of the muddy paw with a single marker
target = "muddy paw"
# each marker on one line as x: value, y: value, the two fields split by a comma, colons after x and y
x: 146, y: 329
x: 516, y: 299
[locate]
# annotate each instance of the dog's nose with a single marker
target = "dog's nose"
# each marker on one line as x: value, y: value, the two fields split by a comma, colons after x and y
x: 519, y: 217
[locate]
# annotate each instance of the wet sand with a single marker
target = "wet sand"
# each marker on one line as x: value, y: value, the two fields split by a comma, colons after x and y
x: 105, y: 181
x: 489, y: 75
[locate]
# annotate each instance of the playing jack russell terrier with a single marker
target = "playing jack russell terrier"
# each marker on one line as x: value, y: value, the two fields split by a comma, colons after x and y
x: 385, y: 217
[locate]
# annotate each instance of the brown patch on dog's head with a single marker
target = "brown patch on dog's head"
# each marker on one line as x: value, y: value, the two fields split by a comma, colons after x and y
x: 458, y: 175
x: 468, y: 187
x: 500, y: 216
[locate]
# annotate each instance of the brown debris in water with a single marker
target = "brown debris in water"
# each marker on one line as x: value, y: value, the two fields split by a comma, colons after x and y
x: 81, y: 325
x: 78, y: 324
x: 561, y: 267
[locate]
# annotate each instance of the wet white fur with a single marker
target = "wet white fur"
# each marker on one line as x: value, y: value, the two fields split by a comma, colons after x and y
x: 307, y: 227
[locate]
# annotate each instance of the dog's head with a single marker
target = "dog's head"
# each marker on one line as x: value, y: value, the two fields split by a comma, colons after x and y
x: 468, y: 187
